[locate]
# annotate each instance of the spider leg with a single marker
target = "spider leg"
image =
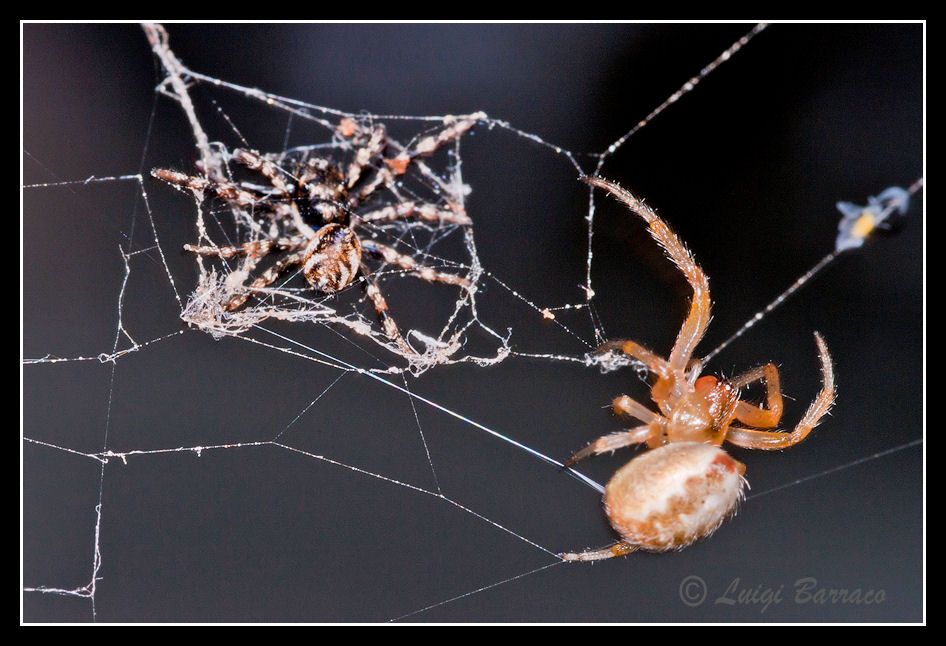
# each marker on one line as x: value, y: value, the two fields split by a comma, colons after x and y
x: 624, y: 405
x: 255, y: 161
x: 238, y: 195
x: 455, y: 126
x: 258, y: 248
x: 755, y: 439
x: 394, y: 257
x: 265, y: 279
x: 428, y: 212
x: 323, y: 182
x: 375, y: 140
x: 660, y: 391
x: 288, y: 209
x: 618, y: 549
x: 381, y: 307
x: 755, y: 415
x: 200, y: 186
x: 619, y: 440
x: 695, y: 325
x: 652, y: 431
x: 371, y: 143
x: 653, y: 362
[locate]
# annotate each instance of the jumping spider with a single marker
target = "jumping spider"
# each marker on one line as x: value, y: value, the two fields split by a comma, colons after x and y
x: 309, y: 213
x: 686, y: 485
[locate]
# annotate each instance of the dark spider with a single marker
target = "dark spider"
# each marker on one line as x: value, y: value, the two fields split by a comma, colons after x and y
x: 307, y: 188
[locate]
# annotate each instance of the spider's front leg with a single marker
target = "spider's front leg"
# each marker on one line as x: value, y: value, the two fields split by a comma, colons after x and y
x: 698, y: 319
x: 256, y: 248
x: 286, y: 208
x: 454, y: 128
x: 651, y: 361
x: 200, y: 186
x: 371, y: 143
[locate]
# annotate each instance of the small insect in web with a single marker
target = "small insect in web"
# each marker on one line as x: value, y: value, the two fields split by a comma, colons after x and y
x: 686, y: 485
x: 858, y: 222
x: 317, y: 212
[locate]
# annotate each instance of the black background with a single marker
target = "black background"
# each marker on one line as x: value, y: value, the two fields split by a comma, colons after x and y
x: 746, y: 168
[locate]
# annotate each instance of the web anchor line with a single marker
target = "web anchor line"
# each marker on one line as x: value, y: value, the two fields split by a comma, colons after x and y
x: 856, y: 225
x: 505, y: 438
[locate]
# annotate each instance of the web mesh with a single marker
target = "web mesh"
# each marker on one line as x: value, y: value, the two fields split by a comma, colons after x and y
x: 305, y: 470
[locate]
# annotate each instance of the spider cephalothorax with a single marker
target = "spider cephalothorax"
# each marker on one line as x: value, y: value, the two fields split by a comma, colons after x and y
x: 314, y: 207
x: 685, y: 471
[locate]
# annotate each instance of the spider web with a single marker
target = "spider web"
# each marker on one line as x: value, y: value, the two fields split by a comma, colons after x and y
x: 299, y: 472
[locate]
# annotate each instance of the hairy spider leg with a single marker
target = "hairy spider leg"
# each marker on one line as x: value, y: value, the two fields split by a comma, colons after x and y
x: 618, y: 549
x: 671, y: 374
x: 265, y: 279
x: 427, y: 212
x: 422, y: 146
x: 376, y: 139
x: 629, y: 407
x: 381, y: 307
x: 255, y: 161
x: 771, y: 440
x: 200, y: 186
x: 618, y: 440
x: 392, y: 167
x: 259, y: 248
x: 755, y: 415
x: 394, y: 257
x: 698, y: 319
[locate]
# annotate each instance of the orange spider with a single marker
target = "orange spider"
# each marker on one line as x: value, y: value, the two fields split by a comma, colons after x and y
x: 693, y: 409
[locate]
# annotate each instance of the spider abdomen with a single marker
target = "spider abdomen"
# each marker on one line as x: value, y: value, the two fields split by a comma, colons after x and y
x: 332, y: 258
x: 671, y: 496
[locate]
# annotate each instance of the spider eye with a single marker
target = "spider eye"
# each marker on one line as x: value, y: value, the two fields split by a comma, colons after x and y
x: 332, y: 258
